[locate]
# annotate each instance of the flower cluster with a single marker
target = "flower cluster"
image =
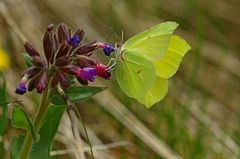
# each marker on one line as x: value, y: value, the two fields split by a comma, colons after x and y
x: 65, y: 56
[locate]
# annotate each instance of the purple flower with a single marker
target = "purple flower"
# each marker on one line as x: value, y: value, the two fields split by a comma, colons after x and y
x: 86, y: 73
x: 74, y: 40
x: 21, y: 88
x: 107, y: 48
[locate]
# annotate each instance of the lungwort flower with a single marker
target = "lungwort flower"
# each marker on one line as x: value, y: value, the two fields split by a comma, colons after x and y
x: 65, y: 56
x: 107, y: 48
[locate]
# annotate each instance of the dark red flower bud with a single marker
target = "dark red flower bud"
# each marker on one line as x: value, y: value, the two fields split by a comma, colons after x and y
x: 48, y: 45
x: 62, y: 32
x: 62, y: 61
x: 38, y: 61
x: 69, y: 69
x: 84, y: 61
x: 32, y: 71
x: 41, y: 85
x: 30, y: 49
x: 64, y: 82
x: 63, y: 50
x: 60, y: 77
x: 87, y: 48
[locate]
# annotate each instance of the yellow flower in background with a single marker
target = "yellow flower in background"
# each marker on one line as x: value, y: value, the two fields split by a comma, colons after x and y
x: 4, y: 60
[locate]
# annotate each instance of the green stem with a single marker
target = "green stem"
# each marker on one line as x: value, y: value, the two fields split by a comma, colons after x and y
x: 85, y: 130
x: 39, y: 116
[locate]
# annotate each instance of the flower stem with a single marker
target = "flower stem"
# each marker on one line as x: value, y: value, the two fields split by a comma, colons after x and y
x: 39, y: 116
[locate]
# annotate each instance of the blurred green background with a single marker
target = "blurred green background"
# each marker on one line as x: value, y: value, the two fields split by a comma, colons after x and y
x: 199, y: 118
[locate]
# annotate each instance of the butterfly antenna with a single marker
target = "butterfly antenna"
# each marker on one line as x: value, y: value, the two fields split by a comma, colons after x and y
x: 122, y: 37
x: 113, y: 32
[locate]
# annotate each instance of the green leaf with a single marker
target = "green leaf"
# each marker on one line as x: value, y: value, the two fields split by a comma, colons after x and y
x: 47, y: 131
x: 3, y: 116
x: 15, y: 146
x: 21, y: 120
x: 27, y: 60
x: 76, y: 94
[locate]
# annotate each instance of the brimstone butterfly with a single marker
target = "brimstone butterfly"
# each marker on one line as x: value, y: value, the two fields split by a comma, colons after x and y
x: 147, y: 60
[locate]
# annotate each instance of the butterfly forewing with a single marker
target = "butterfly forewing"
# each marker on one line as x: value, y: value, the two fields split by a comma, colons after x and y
x: 166, y: 28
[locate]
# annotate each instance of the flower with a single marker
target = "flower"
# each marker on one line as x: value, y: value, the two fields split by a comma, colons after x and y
x: 60, y: 48
x: 4, y: 60
x: 103, y: 71
x: 74, y: 40
x: 21, y: 88
x: 86, y: 73
x: 107, y: 48
x: 65, y: 56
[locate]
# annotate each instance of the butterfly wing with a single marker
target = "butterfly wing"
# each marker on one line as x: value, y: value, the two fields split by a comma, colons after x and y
x: 156, y: 93
x: 153, y: 43
x: 166, y: 28
x: 153, y: 48
x: 135, y: 74
x: 168, y: 65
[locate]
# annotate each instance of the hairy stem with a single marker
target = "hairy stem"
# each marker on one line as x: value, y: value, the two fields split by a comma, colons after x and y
x: 74, y: 124
x: 38, y: 118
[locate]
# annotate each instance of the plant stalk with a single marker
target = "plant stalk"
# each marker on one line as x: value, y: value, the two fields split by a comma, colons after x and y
x: 38, y: 118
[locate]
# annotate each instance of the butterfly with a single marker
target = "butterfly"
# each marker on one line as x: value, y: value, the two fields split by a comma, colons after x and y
x: 146, y: 61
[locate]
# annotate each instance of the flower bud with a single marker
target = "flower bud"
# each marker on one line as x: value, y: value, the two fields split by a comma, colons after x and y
x: 41, y: 85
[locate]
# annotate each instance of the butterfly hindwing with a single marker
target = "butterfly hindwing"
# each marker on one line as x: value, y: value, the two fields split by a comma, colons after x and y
x: 168, y: 65
x: 156, y: 93
x: 135, y: 74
